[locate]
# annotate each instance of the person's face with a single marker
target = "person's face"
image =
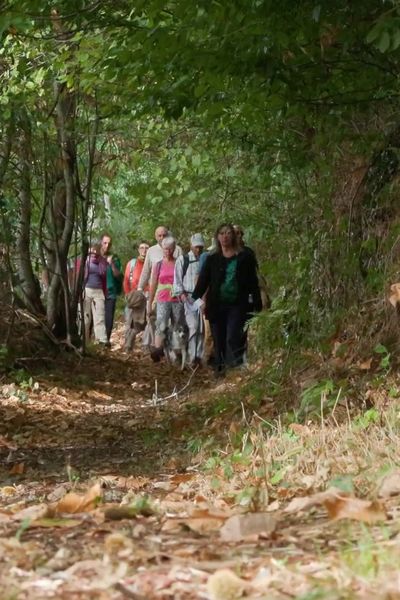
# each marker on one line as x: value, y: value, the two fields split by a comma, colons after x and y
x: 160, y: 234
x: 225, y: 237
x: 168, y: 251
x: 197, y: 250
x: 143, y: 250
x: 105, y: 245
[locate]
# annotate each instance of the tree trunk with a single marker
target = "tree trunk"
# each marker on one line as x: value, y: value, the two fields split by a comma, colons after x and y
x: 63, y: 215
x: 28, y: 284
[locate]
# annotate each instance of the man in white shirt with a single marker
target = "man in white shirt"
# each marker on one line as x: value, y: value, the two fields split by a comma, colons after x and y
x: 187, y: 268
x: 154, y: 255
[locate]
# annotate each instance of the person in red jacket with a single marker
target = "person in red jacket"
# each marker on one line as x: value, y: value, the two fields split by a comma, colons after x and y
x: 133, y: 271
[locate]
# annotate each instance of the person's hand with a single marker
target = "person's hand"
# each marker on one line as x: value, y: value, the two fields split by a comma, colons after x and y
x: 109, y: 259
x: 183, y: 297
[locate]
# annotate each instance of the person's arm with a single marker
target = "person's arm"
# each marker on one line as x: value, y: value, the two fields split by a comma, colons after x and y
x: 115, y: 265
x: 125, y: 284
x: 153, y: 287
x: 203, y: 281
x: 146, y: 272
x: 178, y: 288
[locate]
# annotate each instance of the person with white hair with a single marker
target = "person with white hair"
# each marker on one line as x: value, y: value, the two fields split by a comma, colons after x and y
x: 154, y: 255
x: 187, y: 269
x: 169, y: 307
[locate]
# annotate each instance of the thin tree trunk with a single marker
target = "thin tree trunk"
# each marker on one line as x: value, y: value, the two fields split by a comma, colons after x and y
x: 28, y: 284
x: 63, y: 214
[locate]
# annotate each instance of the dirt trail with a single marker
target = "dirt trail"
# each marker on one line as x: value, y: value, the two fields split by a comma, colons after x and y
x: 100, y: 497
x: 107, y: 411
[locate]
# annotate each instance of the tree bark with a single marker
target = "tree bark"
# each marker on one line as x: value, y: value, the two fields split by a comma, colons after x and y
x: 28, y: 283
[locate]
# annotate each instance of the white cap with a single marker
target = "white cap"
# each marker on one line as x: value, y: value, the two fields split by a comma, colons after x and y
x: 197, y: 240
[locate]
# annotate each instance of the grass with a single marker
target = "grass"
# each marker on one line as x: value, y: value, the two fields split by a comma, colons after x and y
x: 262, y: 465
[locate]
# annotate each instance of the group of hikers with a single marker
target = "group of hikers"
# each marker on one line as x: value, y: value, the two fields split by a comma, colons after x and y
x: 177, y: 300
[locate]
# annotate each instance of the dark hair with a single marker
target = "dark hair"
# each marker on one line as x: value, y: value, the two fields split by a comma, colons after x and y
x: 143, y: 242
x: 105, y: 234
x: 95, y: 247
x: 229, y: 226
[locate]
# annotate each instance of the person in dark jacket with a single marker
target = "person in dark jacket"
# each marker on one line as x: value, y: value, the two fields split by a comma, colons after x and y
x: 229, y: 277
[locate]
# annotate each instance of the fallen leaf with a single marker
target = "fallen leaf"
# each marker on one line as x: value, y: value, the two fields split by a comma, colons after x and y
x: 238, y: 527
x: 299, y: 429
x: 390, y: 484
x: 303, y: 502
x: 17, y: 469
x: 340, y: 506
x: 37, y: 511
x: 117, y: 513
x: 58, y: 493
x: 355, y: 508
x: 224, y: 584
x: 48, y: 522
x: 8, y: 490
x: 76, y: 503
x: 365, y: 365
x: 394, y: 296
x: 98, y: 395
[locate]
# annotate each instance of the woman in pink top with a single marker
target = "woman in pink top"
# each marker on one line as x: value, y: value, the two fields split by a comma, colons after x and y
x: 168, y: 307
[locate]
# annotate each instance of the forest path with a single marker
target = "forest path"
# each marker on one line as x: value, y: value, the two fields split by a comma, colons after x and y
x: 100, y: 497
x: 109, y: 410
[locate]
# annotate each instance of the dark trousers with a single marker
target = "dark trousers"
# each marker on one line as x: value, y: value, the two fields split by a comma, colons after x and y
x: 109, y: 315
x: 227, y: 332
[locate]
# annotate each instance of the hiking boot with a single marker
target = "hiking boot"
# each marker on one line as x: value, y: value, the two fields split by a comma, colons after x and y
x: 219, y: 371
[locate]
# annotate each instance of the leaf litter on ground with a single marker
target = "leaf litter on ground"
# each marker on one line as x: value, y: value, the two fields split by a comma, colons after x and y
x: 174, y: 534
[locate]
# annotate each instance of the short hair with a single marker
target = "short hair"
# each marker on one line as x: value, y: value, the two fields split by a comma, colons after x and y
x: 168, y: 242
x: 143, y: 242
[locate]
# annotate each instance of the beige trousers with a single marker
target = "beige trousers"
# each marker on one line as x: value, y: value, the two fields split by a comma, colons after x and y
x: 93, y: 308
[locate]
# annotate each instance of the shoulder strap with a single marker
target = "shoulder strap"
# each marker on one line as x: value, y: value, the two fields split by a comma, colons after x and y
x: 158, y: 269
x: 186, y: 263
x: 132, y: 264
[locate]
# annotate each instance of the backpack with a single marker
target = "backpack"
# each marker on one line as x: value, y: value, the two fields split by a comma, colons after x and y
x: 132, y: 264
x: 186, y: 263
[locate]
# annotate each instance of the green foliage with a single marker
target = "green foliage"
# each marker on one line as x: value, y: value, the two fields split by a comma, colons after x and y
x: 364, y: 420
x: 219, y: 112
x: 383, y: 352
x: 315, y: 399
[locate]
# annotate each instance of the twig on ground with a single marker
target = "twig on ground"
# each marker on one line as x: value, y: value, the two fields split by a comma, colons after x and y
x: 156, y: 400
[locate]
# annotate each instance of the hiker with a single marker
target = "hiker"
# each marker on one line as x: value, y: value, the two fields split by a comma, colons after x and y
x: 230, y: 279
x: 187, y: 268
x: 135, y: 310
x: 94, y: 294
x: 262, y: 282
x: 241, y: 245
x: 114, y: 281
x: 168, y: 307
x: 154, y: 255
